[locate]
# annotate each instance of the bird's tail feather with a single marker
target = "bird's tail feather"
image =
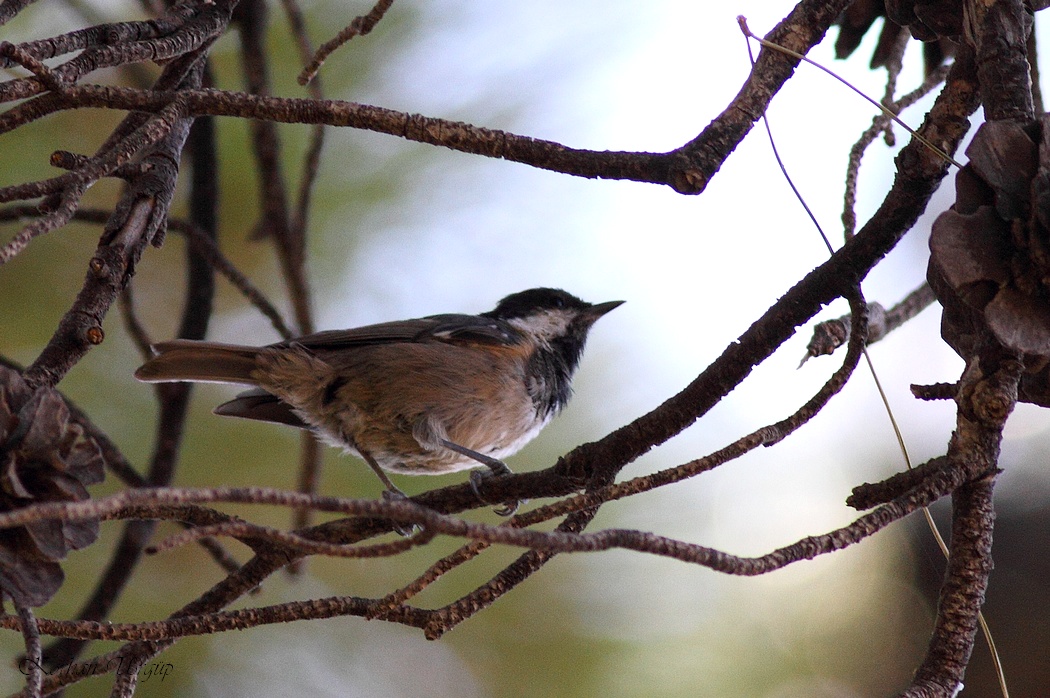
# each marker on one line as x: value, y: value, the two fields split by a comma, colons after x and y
x: 199, y: 362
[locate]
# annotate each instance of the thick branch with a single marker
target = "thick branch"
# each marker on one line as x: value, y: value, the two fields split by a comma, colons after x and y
x: 987, y: 395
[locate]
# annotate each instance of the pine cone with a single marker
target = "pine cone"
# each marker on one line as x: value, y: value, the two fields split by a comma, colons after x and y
x: 990, y: 253
x: 44, y: 457
x: 860, y: 16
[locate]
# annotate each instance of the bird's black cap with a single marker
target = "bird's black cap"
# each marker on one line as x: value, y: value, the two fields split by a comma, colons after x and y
x: 525, y: 303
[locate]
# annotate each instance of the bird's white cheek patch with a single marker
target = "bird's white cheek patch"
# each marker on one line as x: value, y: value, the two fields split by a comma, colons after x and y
x: 545, y: 325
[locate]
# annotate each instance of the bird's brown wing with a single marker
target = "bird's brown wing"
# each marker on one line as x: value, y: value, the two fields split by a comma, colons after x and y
x: 449, y: 328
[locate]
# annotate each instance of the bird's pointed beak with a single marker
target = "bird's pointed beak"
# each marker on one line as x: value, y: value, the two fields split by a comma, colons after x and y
x: 599, y: 309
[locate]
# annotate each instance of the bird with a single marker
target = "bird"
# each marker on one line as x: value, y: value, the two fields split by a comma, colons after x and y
x: 431, y: 395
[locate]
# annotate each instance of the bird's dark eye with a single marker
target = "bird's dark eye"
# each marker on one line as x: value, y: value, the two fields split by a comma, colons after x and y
x: 558, y: 302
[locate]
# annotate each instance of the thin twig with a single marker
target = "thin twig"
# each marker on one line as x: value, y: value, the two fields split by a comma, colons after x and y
x: 879, y: 124
x: 32, y: 663
x: 358, y: 27
x: 17, y: 54
x: 296, y: 543
x: 134, y: 327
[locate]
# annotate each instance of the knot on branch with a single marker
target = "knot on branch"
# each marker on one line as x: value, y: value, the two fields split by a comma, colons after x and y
x: 44, y: 457
x: 994, y: 396
x: 828, y: 336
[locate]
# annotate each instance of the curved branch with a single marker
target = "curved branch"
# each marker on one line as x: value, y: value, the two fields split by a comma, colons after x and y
x: 699, y: 160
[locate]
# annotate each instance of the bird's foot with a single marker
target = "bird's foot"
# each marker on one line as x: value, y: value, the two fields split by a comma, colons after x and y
x: 395, y: 495
x: 477, y: 477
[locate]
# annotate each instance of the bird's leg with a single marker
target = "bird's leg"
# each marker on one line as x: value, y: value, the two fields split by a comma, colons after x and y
x: 392, y: 490
x: 392, y: 493
x: 496, y: 468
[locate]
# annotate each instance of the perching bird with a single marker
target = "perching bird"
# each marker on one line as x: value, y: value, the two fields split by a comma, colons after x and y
x: 427, y: 396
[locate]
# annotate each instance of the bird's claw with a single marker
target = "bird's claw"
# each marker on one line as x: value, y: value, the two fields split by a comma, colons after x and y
x: 396, y: 495
x: 479, y: 476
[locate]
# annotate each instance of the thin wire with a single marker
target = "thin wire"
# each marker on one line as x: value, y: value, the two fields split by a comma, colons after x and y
x: 742, y: 21
x: 999, y: 671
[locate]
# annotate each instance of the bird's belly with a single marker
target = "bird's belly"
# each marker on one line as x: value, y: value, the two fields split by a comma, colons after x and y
x: 400, y: 418
x: 430, y: 459
x: 413, y: 454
